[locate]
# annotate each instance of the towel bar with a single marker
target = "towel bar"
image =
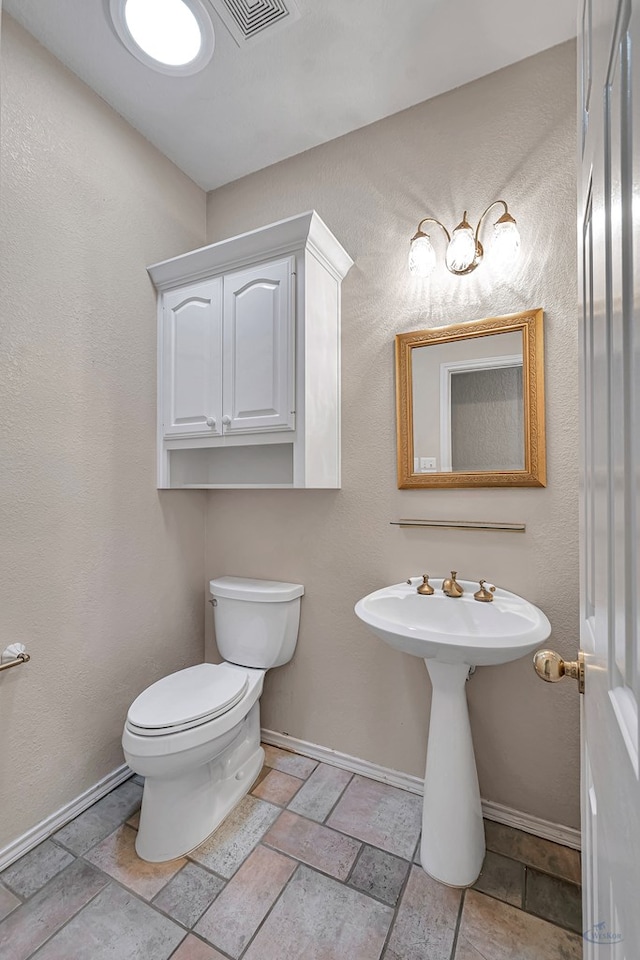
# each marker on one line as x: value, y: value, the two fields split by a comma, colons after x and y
x: 461, y: 524
x: 21, y: 658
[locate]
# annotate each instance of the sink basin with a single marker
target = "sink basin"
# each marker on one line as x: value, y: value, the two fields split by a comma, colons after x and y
x: 454, y: 630
x: 452, y: 635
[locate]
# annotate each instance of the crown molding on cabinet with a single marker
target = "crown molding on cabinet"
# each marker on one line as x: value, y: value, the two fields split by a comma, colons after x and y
x: 274, y: 240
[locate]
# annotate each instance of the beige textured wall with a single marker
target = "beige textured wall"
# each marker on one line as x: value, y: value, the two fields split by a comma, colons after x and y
x: 100, y: 576
x: 511, y: 134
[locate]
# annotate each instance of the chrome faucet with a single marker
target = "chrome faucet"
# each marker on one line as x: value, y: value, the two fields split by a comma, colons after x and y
x: 451, y: 587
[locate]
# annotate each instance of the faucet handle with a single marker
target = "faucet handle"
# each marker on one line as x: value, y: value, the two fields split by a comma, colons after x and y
x: 484, y: 595
x: 425, y: 588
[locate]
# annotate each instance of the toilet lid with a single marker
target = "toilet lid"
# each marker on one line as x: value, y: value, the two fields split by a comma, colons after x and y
x: 188, y: 697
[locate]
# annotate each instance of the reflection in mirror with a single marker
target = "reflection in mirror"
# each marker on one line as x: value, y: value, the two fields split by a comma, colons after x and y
x: 470, y: 404
x: 467, y: 404
x: 485, y: 420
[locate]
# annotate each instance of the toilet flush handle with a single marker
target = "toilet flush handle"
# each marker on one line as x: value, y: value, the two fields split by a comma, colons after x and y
x: 213, y: 602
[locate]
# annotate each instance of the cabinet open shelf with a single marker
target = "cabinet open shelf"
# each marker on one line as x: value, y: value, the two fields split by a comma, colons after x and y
x: 255, y: 465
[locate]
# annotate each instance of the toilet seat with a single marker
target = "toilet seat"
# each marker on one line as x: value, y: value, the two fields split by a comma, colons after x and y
x: 187, y: 699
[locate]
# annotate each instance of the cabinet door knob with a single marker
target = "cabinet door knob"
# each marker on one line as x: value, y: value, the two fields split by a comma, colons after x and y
x: 226, y: 420
x: 211, y: 421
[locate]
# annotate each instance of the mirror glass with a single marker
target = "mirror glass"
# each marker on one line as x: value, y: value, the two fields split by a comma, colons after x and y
x: 469, y: 404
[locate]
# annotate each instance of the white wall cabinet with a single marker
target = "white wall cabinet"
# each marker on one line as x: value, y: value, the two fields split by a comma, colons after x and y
x: 249, y: 360
x: 228, y: 364
x: 191, y: 335
x: 258, y: 380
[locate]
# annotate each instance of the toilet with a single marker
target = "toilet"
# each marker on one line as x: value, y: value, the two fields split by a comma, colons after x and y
x: 195, y: 735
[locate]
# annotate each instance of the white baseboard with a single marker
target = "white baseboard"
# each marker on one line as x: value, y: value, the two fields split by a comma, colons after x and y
x: 17, y: 848
x: 567, y: 836
x: 372, y: 770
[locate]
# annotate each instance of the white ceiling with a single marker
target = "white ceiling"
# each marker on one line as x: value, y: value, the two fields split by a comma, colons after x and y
x: 342, y: 65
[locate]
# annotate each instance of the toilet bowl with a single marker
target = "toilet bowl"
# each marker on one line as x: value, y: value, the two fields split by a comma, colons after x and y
x: 195, y: 735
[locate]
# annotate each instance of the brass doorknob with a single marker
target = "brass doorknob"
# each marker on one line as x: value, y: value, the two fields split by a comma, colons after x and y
x: 550, y: 666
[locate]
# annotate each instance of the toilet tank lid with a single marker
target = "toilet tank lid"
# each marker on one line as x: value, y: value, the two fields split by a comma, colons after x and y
x: 259, y: 591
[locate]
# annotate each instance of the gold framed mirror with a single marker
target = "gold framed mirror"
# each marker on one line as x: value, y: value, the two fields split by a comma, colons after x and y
x: 470, y: 404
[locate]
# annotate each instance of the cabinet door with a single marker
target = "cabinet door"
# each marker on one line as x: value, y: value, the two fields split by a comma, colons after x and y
x: 258, y: 387
x: 192, y: 360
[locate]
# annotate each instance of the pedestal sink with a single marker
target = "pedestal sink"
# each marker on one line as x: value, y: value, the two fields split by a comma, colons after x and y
x: 453, y: 635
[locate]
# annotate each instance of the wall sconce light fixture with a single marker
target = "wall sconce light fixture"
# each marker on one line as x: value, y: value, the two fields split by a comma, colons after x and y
x: 464, y: 250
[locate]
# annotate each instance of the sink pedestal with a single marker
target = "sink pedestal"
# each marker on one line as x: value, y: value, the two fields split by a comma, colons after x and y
x: 450, y: 636
x: 452, y: 847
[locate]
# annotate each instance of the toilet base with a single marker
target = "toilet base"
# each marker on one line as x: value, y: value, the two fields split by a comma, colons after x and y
x: 178, y: 814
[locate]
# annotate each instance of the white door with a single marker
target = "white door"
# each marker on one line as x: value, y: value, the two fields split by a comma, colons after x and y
x: 609, y: 64
x: 258, y: 388
x: 192, y: 360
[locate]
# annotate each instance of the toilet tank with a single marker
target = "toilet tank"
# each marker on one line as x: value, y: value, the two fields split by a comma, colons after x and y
x: 256, y: 621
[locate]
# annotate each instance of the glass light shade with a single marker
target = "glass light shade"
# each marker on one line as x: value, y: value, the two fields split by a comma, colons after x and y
x: 422, y: 257
x: 461, y: 250
x: 166, y: 30
x: 505, y: 248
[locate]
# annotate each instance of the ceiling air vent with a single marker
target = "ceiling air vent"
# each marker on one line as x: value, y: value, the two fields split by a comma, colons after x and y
x: 248, y: 20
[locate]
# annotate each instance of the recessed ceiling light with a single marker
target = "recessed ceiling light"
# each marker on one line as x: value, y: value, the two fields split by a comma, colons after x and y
x: 172, y: 36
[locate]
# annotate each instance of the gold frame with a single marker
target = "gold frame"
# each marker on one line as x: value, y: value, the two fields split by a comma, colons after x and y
x: 530, y: 322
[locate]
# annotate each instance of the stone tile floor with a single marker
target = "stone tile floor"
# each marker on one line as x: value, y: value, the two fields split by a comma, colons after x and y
x: 315, y: 864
